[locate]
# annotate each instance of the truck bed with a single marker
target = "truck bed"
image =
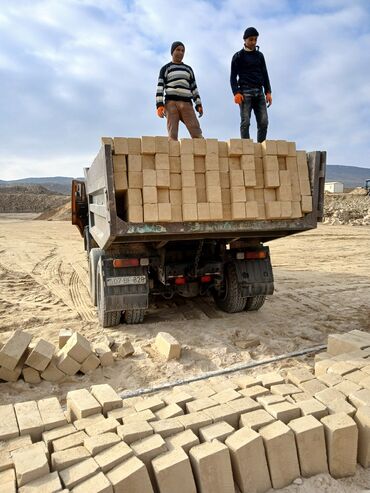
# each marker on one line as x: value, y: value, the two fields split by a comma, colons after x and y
x: 107, y: 228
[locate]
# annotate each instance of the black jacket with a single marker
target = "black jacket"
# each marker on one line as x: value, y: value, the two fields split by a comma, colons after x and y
x: 249, y: 71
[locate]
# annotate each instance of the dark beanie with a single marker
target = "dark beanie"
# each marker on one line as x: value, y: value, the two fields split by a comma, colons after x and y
x: 250, y: 31
x: 175, y: 44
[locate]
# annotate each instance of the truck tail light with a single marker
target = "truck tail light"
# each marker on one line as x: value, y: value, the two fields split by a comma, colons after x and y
x: 180, y: 281
x: 260, y: 254
x: 118, y: 263
x: 206, y: 279
x: 144, y: 261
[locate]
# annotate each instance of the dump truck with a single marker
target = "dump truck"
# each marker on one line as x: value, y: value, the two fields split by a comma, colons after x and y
x: 129, y: 262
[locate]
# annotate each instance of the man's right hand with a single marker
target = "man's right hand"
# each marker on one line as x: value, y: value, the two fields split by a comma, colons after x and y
x: 238, y: 98
x: 161, y: 112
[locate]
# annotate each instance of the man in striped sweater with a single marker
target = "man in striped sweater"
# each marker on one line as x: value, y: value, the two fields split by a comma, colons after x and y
x: 175, y: 92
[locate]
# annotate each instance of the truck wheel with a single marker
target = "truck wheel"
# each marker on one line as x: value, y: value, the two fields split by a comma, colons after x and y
x: 106, y: 319
x: 254, y: 303
x: 94, y: 256
x: 230, y: 299
x: 135, y: 316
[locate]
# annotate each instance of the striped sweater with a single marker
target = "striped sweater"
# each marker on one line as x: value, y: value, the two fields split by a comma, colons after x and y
x: 176, y: 82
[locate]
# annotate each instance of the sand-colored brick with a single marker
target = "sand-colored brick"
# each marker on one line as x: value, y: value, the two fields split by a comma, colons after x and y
x: 81, y: 404
x: 281, y: 454
x: 49, y: 436
x: 29, y: 419
x: 8, y: 422
x: 51, y: 413
x: 98, y: 483
x: 41, y: 355
x: 256, y: 419
x: 50, y: 483
x: 13, y: 350
x: 78, y: 473
x: 98, y: 443
x: 314, y: 408
x: 30, y: 375
x: 107, y: 397
x: 248, y: 461
x: 167, y: 427
x: 104, y: 426
x: 172, y: 472
x: 69, y: 441
x: 284, y: 411
x: 77, y: 347
x: 52, y: 373
x: 216, y: 431
x: 185, y: 440
x: 30, y: 464
x: 65, y: 458
x: 133, y: 432
x: 83, y: 423
x: 90, y: 364
x: 168, y: 346
x: 130, y: 476
x: 112, y: 456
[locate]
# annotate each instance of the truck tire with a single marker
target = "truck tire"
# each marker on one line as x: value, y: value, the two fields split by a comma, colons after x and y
x: 135, y: 316
x: 94, y: 256
x: 230, y: 300
x: 106, y: 319
x: 254, y: 303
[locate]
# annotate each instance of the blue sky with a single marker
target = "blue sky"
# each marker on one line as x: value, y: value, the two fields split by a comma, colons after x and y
x: 72, y: 71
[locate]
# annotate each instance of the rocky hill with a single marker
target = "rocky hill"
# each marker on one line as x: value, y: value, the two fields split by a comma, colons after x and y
x: 29, y: 198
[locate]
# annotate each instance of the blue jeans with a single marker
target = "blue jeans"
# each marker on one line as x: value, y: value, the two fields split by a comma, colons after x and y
x: 254, y: 99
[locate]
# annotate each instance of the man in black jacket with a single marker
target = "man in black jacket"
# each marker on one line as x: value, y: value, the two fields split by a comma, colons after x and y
x: 251, y: 85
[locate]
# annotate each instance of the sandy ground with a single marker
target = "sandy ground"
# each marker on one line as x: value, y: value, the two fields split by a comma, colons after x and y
x: 322, y: 281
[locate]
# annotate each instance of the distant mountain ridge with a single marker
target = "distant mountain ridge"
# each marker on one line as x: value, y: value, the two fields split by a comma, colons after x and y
x: 350, y: 176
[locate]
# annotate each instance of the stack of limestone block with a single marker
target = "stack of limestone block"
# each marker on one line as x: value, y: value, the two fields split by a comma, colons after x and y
x: 19, y: 358
x: 209, y: 180
x: 252, y: 432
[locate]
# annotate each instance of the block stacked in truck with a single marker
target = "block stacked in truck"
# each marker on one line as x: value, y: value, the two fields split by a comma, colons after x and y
x: 157, y: 180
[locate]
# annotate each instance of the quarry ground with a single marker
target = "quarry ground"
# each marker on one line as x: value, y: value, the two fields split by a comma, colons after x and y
x: 322, y: 281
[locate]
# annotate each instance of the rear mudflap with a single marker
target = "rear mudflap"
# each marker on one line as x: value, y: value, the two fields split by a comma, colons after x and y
x: 255, y: 277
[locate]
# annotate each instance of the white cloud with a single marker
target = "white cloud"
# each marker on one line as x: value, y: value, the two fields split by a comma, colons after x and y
x: 72, y: 71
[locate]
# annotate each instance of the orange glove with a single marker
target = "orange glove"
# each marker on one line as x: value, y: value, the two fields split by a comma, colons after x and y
x: 238, y: 98
x: 199, y: 109
x: 161, y: 112
x: 268, y: 99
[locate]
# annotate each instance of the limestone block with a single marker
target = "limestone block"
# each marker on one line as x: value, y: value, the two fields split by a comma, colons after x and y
x: 69, y: 441
x: 98, y: 443
x: 244, y: 405
x: 329, y: 395
x: 212, y: 456
x: 314, y: 408
x: 200, y: 147
x: 50, y: 483
x: 11, y: 375
x: 104, y: 426
x: 216, y: 431
x: 245, y: 381
x: 312, y: 386
x: 172, y: 471
x: 248, y: 461
x: 341, y: 368
x: 83, y: 423
x: 226, y: 395
x: 299, y: 375
x: 133, y: 432
x: 8, y: 481
x: 341, y: 443
x: 126, y: 349
x: 13, y: 350
x: 255, y: 391
x: 271, y: 378
x: 360, y: 398
x: 330, y: 379
x: 362, y: 419
x: 153, y: 403
x: 90, y: 364
x: 49, y: 436
x: 29, y: 419
x: 107, y: 397
x: 167, y: 427
x: 149, y: 448
x: 64, y: 335
x: 284, y: 411
x: 170, y: 411
x: 30, y: 464
x: 66, y: 364
x: 281, y: 454
x: 65, y: 458
x: 146, y: 415
x: 223, y: 412
x: 112, y: 456
x: 77, y: 347
x: 98, y: 483
x: 52, y: 373
x: 168, y: 346
x: 6, y: 462
x: 30, y: 375
x: 40, y: 356
x: 200, y: 404
x: 51, y: 413
x: 81, y: 404
x: 131, y: 476
x: 256, y: 419
x: 120, y: 145
x: 341, y: 406
x: 104, y: 354
x: 185, y: 440
x: 8, y: 422
x: 78, y: 473
x: 266, y: 400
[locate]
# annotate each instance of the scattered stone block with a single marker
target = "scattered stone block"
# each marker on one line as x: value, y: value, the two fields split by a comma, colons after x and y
x: 69, y: 441
x: 65, y: 458
x: 225, y: 396
x: 341, y: 368
x: 131, y: 476
x: 313, y: 408
x: 272, y: 378
x: 52, y: 373
x: 30, y: 464
x: 90, y: 364
x: 8, y: 422
x: 341, y: 442
x: 111, y: 457
x: 135, y: 431
x: 83, y: 423
x: 244, y: 405
x: 51, y: 413
x: 6, y: 462
x: 126, y: 349
x: 266, y: 400
x: 256, y: 419
x: 329, y: 379
x: 329, y: 395
x: 64, y: 335
x: 341, y: 406
x: 13, y: 350
x: 281, y: 454
x: 30, y: 375
x: 170, y: 411
x: 212, y: 456
x: 284, y: 411
x: 77, y: 347
x: 98, y: 443
x: 299, y: 375
x: 29, y: 419
x: 146, y: 415
x: 185, y: 440
x: 78, y: 473
x: 200, y: 404
x: 104, y: 426
x: 121, y: 413
x: 245, y: 381
x: 255, y: 391
x: 303, y: 396
x: 167, y: 427
x: 168, y: 346
x: 41, y: 355
x: 104, y: 354
x: 360, y: 398
x: 172, y: 472
x: 107, y: 397
x: 362, y: 419
x: 11, y: 375
x: 285, y: 389
x: 354, y: 376
x: 222, y: 384
x: 310, y: 440
x: 66, y: 364
x: 81, y: 404
x: 152, y: 403
x: 98, y: 483
x: 216, y: 431
x: 180, y: 398
x: 50, y: 483
x: 148, y: 448
x: 49, y: 436
x: 248, y: 461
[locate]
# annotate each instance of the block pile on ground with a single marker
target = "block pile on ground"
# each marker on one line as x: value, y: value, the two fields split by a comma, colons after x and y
x: 157, y: 180
x: 19, y: 358
x: 257, y: 431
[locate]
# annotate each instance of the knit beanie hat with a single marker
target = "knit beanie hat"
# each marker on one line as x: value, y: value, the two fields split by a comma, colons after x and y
x: 250, y: 31
x: 175, y: 44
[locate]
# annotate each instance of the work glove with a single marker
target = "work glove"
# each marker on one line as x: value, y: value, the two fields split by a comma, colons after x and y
x: 161, y: 112
x: 268, y: 99
x: 238, y: 98
x: 199, y: 109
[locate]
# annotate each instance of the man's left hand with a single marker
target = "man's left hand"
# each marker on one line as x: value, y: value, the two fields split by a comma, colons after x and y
x: 200, y: 111
x: 268, y: 99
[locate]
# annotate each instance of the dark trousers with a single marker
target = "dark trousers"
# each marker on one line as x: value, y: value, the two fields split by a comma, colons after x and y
x: 254, y: 99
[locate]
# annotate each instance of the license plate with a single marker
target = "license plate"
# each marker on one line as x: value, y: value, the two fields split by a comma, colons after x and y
x: 125, y: 280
